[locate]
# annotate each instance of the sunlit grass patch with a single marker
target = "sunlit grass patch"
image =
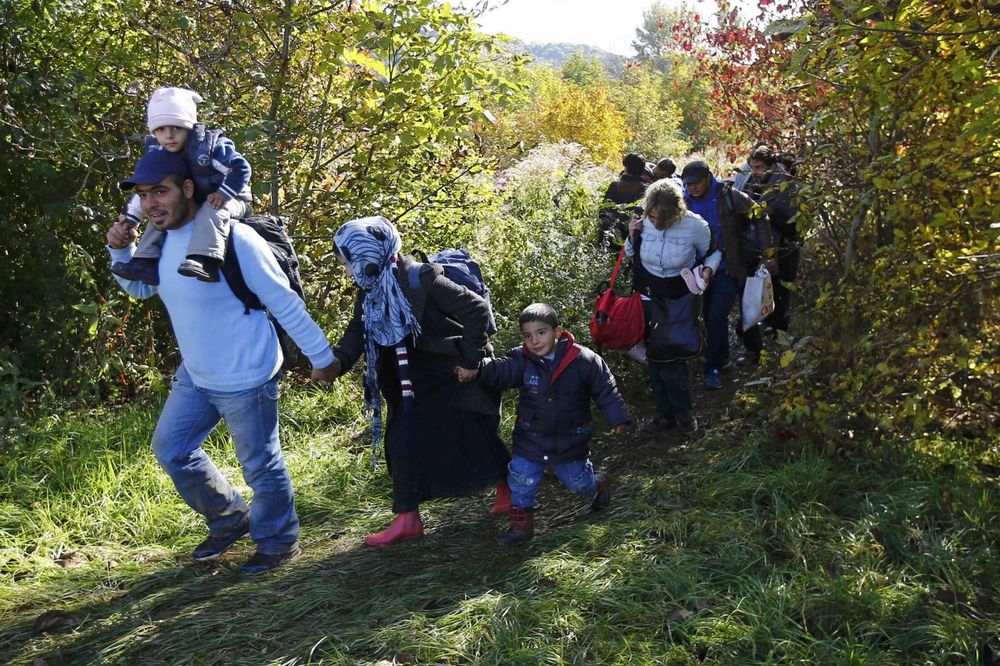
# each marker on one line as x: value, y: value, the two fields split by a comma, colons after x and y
x: 714, y: 551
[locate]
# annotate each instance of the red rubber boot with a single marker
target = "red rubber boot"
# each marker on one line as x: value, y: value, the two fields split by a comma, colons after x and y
x: 501, y: 503
x: 404, y: 526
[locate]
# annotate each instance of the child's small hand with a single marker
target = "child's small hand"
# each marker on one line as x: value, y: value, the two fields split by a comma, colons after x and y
x: 463, y: 375
x: 620, y: 429
x: 216, y: 200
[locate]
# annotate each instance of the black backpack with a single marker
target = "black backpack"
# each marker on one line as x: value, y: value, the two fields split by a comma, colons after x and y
x: 272, y: 229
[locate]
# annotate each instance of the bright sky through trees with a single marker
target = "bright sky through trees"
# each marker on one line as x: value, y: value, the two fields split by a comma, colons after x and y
x: 606, y: 24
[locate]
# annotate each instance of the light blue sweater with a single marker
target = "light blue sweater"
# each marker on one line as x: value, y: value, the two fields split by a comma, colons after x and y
x: 666, y: 253
x: 223, y: 348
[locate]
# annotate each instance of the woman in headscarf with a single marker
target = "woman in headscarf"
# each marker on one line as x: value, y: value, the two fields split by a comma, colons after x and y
x: 414, y: 326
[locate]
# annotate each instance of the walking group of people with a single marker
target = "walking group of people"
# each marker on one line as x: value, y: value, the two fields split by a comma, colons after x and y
x: 694, y: 240
x: 423, y: 337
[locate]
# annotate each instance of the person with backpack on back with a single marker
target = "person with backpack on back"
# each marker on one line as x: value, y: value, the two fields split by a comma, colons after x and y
x: 619, y: 200
x: 236, y: 381
x: 414, y: 326
x: 222, y: 180
x: 742, y: 233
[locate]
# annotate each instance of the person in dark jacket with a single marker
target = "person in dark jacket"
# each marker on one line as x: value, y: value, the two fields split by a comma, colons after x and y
x: 774, y: 188
x: 620, y: 199
x: 558, y: 378
x: 440, y: 437
x: 742, y: 232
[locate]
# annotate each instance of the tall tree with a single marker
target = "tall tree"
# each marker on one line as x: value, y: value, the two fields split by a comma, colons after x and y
x: 665, y: 44
x: 342, y: 109
x: 893, y: 109
x: 581, y: 70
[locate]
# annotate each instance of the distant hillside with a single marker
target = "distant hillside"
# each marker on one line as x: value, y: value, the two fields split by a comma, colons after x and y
x: 557, y: 54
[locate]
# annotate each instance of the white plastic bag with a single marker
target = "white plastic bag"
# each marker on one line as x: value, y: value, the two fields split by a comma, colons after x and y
x: 758, y: 298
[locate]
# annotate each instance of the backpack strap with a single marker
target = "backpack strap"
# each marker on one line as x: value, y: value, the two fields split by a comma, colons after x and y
x: 727, y: 196
x: 234, y: 278
x: 413, y: 274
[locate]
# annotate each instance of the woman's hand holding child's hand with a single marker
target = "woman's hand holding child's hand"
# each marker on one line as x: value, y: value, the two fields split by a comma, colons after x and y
x: 464, y: 375
x: 328, y: 373
x: 620, y: 429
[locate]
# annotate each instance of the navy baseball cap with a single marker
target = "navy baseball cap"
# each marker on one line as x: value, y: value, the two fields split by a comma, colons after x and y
x: 695, y: 172
x: 156, y: 165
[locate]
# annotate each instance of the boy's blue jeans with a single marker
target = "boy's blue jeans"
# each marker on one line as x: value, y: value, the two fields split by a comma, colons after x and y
x: 188, y: 416
x: 524, y: 476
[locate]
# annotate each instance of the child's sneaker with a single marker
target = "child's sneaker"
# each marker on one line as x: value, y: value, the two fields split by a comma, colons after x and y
x: 214, y: 546
x: 712, y: 379
x: 138, y: 269
x: 603, y: 497
x: 205, y: 269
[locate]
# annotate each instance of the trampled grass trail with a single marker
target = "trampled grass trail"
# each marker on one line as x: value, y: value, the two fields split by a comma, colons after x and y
x: 733, y: 548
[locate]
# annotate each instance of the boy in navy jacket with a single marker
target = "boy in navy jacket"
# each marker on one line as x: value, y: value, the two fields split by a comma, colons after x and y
x: 222, y: 180
x: 558, y: 378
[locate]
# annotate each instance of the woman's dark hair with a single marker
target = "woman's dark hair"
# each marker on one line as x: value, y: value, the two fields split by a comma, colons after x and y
x: 667, y: 165
x: 541, y: 312
x: 634, y: 164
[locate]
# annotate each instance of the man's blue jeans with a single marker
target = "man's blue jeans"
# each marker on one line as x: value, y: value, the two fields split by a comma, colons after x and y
x: 524, y: 476
x: 719, y: 297
x: 188, y: 416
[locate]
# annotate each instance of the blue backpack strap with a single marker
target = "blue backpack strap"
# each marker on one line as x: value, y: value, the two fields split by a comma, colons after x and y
x: 413, y: 275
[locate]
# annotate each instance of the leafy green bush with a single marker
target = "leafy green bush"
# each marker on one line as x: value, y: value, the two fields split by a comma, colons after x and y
x: 539, y: 244
x: 338, y: 116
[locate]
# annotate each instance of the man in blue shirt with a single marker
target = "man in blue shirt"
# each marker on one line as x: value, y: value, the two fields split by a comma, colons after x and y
x: 230, y: 370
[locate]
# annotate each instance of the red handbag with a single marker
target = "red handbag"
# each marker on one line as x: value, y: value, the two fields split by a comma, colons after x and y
x: 618, y: 321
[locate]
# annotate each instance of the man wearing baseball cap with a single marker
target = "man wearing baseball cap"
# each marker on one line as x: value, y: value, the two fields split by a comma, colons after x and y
x: 233, y: 376
x: 742, y: 232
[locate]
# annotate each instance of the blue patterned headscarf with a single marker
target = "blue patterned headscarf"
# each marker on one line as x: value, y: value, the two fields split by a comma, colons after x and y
x: 370, y: 246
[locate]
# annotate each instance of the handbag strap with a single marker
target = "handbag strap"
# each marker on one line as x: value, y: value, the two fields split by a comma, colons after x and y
x: 637, y: 266
x: 618, y: 264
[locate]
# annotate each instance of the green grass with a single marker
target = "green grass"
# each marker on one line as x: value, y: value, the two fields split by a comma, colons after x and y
x: 730, y: 549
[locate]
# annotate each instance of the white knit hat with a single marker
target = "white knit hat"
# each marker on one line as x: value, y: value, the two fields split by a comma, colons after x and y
x: 172, y: 106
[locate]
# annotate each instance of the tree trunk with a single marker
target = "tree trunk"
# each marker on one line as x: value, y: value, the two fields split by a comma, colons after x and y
x: 284, y: 57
